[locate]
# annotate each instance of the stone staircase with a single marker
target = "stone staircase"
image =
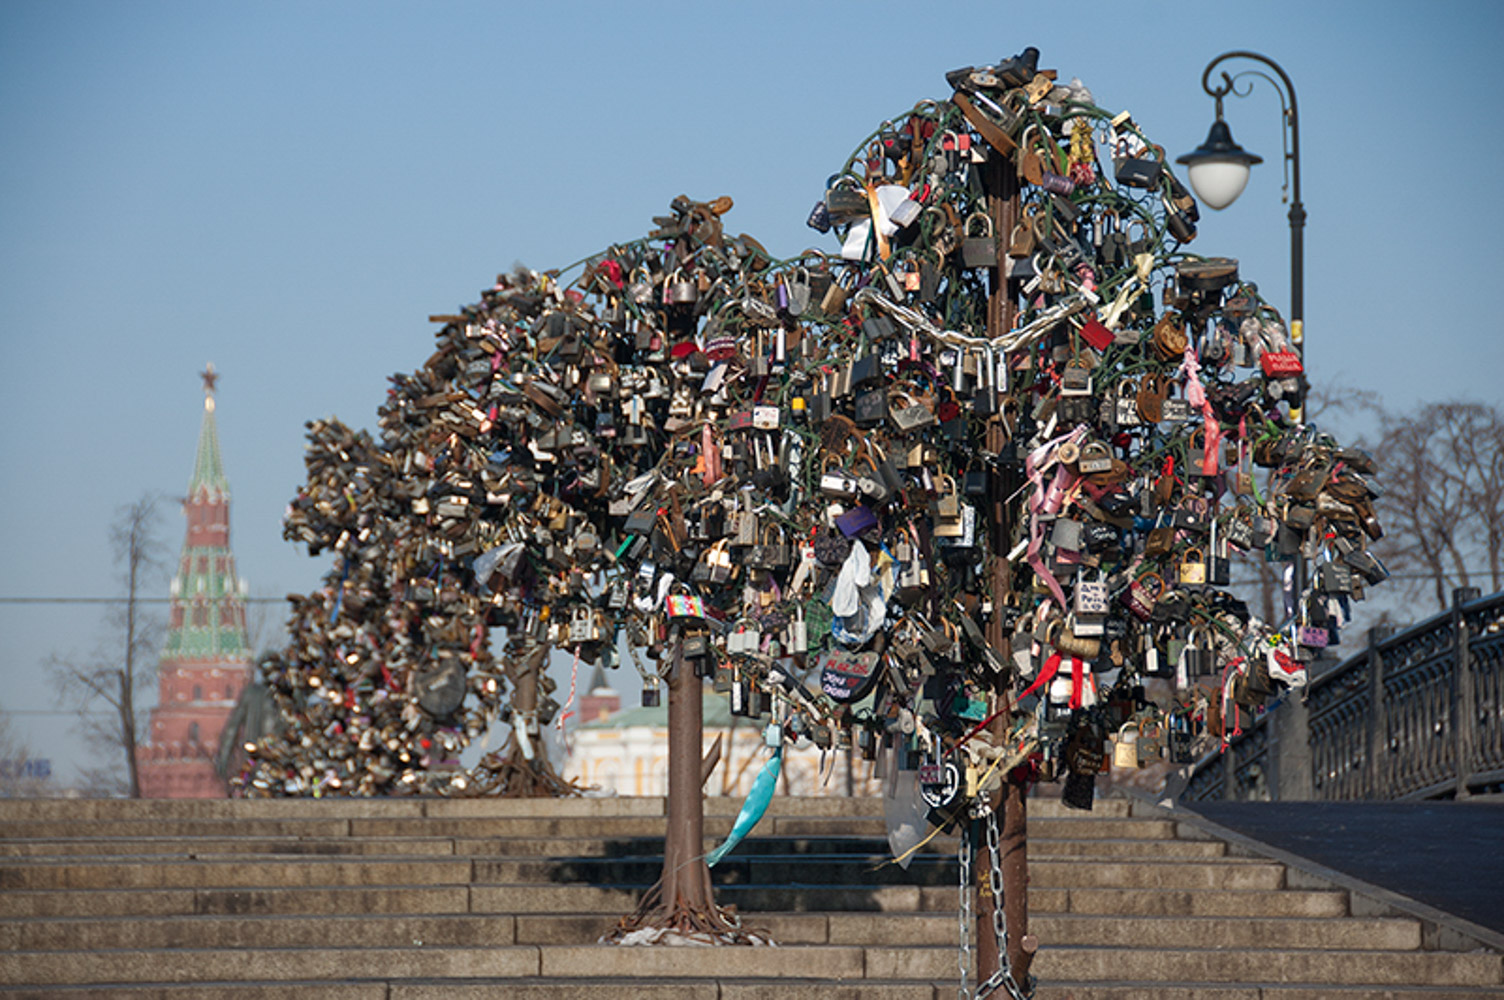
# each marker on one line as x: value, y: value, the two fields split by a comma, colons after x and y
x: 462, y: 900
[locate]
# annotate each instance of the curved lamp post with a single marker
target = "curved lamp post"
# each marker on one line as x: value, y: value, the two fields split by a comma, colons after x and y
x: 1219, y: 172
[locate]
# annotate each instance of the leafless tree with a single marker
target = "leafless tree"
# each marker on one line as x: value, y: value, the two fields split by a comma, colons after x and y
x: 103, y: 688
x: 1443, y: 503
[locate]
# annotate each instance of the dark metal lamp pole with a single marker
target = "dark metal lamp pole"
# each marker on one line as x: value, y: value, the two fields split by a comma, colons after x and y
x: 1219, y: 170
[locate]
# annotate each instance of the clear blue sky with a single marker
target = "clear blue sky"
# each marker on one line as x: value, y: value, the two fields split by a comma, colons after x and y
x: 289, y: 189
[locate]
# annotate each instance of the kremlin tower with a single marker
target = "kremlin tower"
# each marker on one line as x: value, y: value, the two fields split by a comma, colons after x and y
x: 206, y: 660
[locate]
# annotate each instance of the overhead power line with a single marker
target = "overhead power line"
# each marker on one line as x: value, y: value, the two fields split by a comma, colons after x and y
x: 123, y: 600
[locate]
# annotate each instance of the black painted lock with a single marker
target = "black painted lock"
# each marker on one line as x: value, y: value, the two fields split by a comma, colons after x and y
x: 866, y: 370
x: 871, y: 407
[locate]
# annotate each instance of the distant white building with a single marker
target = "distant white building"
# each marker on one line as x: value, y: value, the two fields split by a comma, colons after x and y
x: 627, y: 751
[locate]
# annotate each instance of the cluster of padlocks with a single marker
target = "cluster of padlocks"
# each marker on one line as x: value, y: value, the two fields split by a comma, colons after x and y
x: 820, y: 482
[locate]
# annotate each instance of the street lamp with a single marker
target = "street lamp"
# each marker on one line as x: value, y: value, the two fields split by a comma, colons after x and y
x: 1219, y: 172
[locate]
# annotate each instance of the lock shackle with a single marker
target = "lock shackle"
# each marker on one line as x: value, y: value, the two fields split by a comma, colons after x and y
x: 985, y: 218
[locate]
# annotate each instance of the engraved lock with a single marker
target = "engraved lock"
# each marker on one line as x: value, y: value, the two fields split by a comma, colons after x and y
x: 846, y: 199
x: 1126, y: 404
x: 979, y: 245
x: 1150, y: 742
x: 1143, y: 595
x: 580, y: 625
x: 1091, y: 597
x: 1193, y: 567
x: 1095, y: 457
x: 1075, y: 379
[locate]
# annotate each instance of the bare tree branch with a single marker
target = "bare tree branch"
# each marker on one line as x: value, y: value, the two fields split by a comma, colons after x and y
x: 120, y: 673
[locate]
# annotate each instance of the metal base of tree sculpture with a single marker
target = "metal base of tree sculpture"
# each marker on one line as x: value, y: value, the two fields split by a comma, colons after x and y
x: 509, y: 774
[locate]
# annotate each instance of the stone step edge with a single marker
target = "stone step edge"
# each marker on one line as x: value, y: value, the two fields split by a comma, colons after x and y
x: 688, y: 987
x: 1440, y: 931
x: 47, y: 862
x: 780, y: 948
x: 706, y: 989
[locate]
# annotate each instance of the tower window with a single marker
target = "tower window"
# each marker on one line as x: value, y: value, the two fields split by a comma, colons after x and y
x: 198, y: 694
x: 193, y: 732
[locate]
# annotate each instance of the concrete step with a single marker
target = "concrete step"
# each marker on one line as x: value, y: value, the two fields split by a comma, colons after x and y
x: 1195, y: 903
x: 42, y: 968
x: 1078, y: 826
x: 1225, y: 965
x: 230, y: 871
x: 730, y: 989
x: 195, y: 847
x: 831, y: 962
x: 331, y: 931
x: 347, y: 808
x: 581, y: 988
x: 1128, y: 990
x: 170, y: 902
x: 577, y: 846
x: 851, y: 869
x: 478, y: 930
x: 1053, y: 929
x: 234, y: 873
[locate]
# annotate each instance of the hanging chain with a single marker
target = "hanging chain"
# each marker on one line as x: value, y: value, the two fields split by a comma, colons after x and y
x: 1004, y: 975
x: 965, y: 911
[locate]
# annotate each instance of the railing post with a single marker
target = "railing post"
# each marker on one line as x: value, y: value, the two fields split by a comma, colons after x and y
x: 1291, y: 753
x: 1378, y: 722
x: 1464, y: 712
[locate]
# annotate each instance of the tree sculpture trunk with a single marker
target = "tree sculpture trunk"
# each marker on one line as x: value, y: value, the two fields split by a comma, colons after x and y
x: 683, y: 899
x: 522, y: 770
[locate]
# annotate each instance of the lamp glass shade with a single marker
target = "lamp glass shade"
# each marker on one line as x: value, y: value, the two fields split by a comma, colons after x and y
x: 1218, y: 183
x: 1219, y: 169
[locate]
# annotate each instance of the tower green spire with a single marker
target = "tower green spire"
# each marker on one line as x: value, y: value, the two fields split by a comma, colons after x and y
x: 207, y: 469
x: 208, y: 609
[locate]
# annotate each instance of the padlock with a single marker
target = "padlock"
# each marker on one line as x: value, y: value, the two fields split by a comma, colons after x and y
x: 1091, y: 597
x: 948, y: 502
x: 1075, y: 379
x: 1066, y: 534
x: 1095, y: 457
x: 1150, y: 742
x: 846, y: 199
x: 681, y: 289
x: 1125, y: 746
x: 979, y: 249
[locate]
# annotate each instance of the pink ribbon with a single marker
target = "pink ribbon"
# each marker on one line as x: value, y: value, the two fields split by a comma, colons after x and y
x: 1047, y: 501
x: 1195, y: 395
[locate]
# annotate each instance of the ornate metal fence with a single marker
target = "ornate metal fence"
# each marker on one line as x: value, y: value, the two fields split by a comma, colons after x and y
x: 1417, y: 715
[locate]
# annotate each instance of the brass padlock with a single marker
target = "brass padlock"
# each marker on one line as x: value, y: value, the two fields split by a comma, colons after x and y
x: 1193, y: 567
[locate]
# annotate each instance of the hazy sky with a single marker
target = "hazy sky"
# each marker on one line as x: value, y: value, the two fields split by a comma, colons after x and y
x: 290, y: 189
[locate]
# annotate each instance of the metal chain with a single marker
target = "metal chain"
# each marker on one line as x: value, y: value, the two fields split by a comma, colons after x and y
x: 1004, y: 975
x: 965, y: 911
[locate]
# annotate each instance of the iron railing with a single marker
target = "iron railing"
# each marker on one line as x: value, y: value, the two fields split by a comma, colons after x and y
x: 1419, y: 714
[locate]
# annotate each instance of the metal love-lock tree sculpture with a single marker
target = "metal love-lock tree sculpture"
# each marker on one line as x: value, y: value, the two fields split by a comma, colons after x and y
x: 962, y: 497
